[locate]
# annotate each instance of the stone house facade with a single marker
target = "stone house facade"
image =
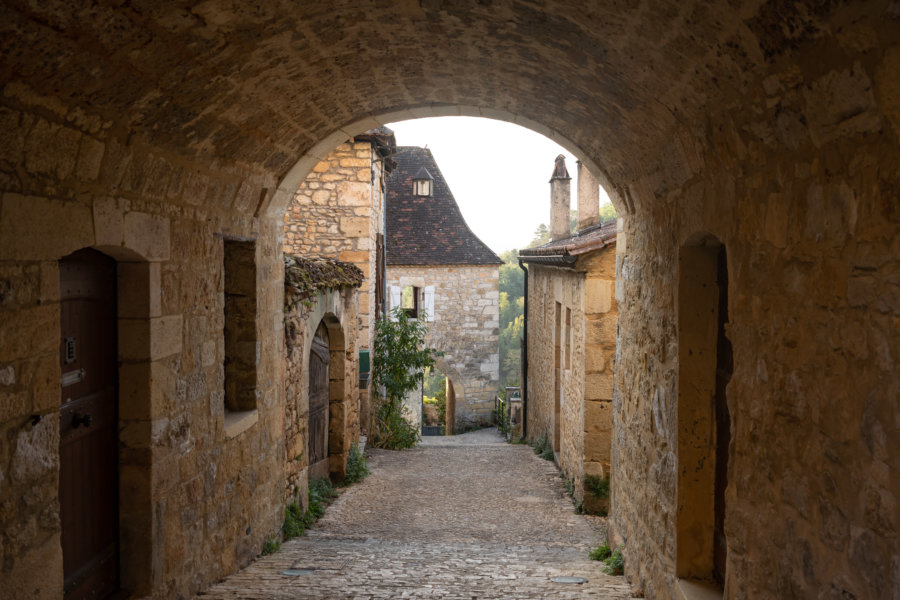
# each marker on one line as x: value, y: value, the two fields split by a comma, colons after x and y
x: 154, y: 133
x: 571, y: 339
x: 338, y: 212
x: 437, y: 265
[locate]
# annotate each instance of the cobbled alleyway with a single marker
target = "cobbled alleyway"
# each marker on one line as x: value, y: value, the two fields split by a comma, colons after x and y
x: 462, y: 517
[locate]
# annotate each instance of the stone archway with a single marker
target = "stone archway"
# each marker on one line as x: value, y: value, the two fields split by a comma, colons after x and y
x: 123, y: 121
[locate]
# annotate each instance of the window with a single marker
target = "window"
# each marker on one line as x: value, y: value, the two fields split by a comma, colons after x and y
x: 241, y: 343
x: 409, y: 301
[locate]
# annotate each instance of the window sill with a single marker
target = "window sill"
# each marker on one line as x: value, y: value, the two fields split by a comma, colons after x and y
x: 686, y: 589
x: 237, y: 422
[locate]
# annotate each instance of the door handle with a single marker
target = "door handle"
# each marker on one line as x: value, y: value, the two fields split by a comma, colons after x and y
x: 82, y: 419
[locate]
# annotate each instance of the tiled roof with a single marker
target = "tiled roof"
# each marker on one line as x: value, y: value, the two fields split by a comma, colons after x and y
x: 587, y: 240
x: 427, y: 230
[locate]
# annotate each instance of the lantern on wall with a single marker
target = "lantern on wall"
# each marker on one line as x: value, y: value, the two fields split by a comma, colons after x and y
x: 423, y: 183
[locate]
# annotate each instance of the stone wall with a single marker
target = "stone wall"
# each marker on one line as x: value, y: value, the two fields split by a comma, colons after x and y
x: 466, y: 329
x: 199, y: 493
x: 338, y: 212
x: 337, y: 308
x: 801, y: 187
x: 556, y: 347
x: 601, y: 316
x: 571, y: 349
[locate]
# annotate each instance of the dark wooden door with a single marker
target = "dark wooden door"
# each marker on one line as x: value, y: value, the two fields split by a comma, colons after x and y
x: 319, y: 357
x: 88, y: 445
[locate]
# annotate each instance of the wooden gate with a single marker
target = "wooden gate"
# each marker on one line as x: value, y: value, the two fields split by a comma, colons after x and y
x: 319, y: 357
x: 88, y: 445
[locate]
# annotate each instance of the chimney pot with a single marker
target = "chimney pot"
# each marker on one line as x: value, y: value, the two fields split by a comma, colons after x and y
x: 560, y: 200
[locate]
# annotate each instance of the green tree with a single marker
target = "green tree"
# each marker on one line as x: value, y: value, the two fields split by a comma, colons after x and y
x: 400, y: 359
x: 607, y: 212
x: 511, y: 351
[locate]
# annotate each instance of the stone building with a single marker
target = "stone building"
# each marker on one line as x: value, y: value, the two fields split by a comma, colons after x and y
x: 752, y: 150
x: 571, y: 333
x: 338, y: 212
x: 437, y: 265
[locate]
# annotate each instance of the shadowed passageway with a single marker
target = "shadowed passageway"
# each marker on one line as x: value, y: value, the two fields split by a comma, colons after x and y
x: 459, y: 517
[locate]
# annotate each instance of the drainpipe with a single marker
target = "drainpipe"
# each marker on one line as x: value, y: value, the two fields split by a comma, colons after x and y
x: 525, y: 357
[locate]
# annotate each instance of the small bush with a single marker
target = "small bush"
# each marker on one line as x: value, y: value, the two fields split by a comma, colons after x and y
x: 597, y: 486
x: 601, y: 552
x: 293, y: 521
x: 543, y: 448
x: 357, y: 466
x: 615, y: 562
x: 296, y: 522
x: 272, y: 545
x: 392, y: 430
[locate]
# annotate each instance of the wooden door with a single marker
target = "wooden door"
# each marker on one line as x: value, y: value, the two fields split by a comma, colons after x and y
x: 319, y: 357
x: 88, y: 446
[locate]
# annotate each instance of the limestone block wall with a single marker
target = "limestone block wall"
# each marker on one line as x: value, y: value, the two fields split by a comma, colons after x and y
x: 801, y: 186
x: 556, y: 362
x: 198, y: 492
x: 466, y: 328
x: 601, y: 316
x: 337, y: 308
x: 338, y: 212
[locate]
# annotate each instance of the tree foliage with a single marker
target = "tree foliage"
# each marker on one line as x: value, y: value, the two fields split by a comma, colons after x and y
x: 400, y: 359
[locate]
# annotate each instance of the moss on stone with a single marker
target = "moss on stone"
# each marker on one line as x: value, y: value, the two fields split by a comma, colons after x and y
x: 304, y: 277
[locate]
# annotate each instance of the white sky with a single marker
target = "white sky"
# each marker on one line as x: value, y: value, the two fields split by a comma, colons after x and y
x: 499, y: 173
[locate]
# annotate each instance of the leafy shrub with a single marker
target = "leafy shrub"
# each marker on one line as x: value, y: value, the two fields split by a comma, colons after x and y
x: 615, y: 562
x: 393, y: 431
x: 272, y: 545
x: 601, y: 552
x: 543, y: 448
x: 293, y: 521
x: 399, y: 360
x: 596, y: 485
x: 357, y: 466
x: 296, y: 522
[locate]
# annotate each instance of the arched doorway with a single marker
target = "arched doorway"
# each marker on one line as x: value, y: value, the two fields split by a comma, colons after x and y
x: 317, y: 442
x: 704, y: 420
x: 88, y: 418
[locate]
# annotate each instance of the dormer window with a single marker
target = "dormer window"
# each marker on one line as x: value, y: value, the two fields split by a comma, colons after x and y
x: 423, y: 183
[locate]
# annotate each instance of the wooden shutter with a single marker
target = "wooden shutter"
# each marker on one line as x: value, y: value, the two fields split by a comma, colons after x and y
x: 429, y: 302
x: 394, y: 301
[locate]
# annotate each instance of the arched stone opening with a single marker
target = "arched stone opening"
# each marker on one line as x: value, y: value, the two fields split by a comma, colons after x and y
x: 288, y: 185
x: 140, y: 339
x: 707, y: 116
x: 339, y: 409
x: 455, y: 393
x: 704, y: 423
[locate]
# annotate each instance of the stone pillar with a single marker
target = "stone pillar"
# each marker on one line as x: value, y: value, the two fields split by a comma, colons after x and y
x: 560, y: 200
x: 588, y: 197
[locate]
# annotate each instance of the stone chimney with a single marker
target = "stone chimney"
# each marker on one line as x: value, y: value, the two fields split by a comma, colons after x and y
x: 560, y: 200
x: 588, y: 198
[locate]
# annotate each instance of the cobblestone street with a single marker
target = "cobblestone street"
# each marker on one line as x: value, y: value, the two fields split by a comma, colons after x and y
x: 463, y: 517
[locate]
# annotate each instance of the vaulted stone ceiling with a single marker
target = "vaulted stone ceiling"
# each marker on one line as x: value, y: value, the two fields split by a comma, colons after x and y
x: 257, y: 84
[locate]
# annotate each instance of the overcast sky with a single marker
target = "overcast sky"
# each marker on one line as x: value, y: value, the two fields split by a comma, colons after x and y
x: 499, y: 173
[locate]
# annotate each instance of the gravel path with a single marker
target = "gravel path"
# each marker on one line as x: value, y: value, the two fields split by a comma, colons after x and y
x: 458, y: 517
